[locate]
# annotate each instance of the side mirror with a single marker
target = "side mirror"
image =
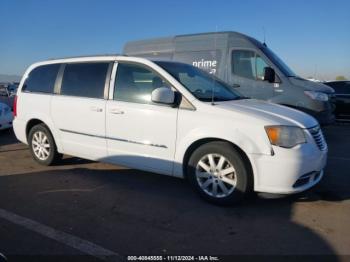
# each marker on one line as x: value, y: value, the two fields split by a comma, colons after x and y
x: 163, y: 95
x: 269, y: 74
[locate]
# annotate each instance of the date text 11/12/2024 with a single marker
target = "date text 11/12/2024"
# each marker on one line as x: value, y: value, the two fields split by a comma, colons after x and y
x: 173, y: 258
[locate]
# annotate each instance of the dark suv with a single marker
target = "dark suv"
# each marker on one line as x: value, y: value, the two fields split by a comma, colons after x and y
x: 341, y: 99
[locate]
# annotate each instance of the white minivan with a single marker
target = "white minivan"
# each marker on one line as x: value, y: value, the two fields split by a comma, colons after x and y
x: 169, y: 118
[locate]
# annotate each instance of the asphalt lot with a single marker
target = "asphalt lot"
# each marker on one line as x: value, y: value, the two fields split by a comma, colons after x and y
x: 81, y: 206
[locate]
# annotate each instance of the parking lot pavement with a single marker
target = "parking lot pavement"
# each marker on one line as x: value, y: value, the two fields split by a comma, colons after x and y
x: 129, y: 212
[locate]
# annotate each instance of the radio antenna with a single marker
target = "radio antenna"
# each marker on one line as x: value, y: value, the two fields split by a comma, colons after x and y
x: 264, y: 33
x: 213, y: 72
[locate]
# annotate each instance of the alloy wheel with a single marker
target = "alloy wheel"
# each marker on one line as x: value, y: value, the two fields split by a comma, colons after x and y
x: 216, y: 175
x: 41, y: 145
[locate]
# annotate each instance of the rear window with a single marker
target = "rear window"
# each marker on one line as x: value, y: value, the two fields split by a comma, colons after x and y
x: 84, y: 80
x: 41, y: 79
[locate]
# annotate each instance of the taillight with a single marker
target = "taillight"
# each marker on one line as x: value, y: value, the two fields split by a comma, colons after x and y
x: 15, y: 106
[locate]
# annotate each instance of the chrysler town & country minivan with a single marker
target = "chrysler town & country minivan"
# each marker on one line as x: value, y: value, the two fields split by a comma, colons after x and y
x: 169, y: 118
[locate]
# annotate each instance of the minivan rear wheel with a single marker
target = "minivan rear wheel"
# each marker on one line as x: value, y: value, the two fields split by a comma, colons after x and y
x: 218, y: 173
x: 42, y: 145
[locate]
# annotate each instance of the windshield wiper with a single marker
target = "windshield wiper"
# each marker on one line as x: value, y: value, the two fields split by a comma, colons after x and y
x: 242, y: 97
x: 217, y: 99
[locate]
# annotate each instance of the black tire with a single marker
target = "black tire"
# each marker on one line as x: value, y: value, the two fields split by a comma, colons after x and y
x: 242, y: 173
x: 53, y: 156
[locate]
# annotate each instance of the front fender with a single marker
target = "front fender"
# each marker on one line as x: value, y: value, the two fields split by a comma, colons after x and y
x: 248, y: 142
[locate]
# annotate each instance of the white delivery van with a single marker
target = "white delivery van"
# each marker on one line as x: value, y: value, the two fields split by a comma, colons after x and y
x: 169, y: 118
x: 246, y: 64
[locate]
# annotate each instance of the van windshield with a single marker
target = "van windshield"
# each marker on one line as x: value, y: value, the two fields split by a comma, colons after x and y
x: 278, y: 62
x: 202, y: 85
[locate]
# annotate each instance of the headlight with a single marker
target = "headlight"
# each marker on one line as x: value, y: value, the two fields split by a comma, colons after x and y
x: 285, y: 136
x: 317, y: 95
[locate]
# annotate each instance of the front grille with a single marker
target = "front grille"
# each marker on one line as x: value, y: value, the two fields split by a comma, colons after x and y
x: 316, y: 133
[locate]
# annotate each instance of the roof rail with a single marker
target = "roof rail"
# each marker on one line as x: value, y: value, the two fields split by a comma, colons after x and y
x: 82, y: 56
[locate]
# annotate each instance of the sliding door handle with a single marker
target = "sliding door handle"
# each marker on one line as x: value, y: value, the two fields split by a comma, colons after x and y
x: 116, y: 111
x: 96, y: 109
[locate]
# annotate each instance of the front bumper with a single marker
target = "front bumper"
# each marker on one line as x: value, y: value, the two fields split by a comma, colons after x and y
x: 289, y: 171
x: 323, y: 112
x: 326, y: 117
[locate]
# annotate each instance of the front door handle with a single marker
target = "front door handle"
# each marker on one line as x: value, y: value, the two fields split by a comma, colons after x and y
x: 236, y: 85
x: 116, y: 111
x: 96, y: 109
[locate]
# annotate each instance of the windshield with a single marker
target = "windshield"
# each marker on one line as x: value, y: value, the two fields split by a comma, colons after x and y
x: 202, y: 85
x: 278, y: 62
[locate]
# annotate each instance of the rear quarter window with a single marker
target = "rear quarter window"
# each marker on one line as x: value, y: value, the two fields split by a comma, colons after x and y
x: 41, y: 79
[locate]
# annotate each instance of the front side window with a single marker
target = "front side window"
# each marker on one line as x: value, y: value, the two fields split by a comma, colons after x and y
x: 243, y: 63
x: 42, y: 79
x: 204, y: 86
x: 84, y: 79
x: 260, y: 66
x: 248, y: 64
x: 135, y: 83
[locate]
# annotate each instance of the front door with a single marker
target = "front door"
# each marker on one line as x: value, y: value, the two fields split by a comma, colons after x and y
x: 140, y: 133
x: 247, y: 75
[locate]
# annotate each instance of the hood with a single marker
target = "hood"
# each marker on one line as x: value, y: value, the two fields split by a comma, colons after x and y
x: 310, y: 85
x: 270, y: 113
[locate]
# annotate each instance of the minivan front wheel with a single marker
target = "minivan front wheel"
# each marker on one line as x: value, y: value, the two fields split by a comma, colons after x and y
x: 42, y: 145
x: 218, y: 173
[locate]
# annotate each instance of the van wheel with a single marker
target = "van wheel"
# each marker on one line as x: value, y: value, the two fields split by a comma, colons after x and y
x: 42, y: 145
x: 218, y: 173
